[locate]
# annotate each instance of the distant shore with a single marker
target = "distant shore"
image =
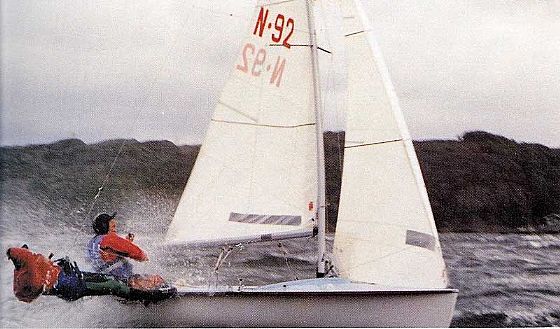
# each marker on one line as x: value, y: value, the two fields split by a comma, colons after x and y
x: 478, y: 183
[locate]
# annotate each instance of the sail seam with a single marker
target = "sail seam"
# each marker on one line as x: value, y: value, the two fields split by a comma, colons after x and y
x: 357, y: 32
x: 264, y: 125
x: 238, y: 111
x: 376, y: 143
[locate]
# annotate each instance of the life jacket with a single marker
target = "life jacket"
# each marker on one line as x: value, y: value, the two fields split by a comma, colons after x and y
x: 118, y: 267
x: 34, y: 274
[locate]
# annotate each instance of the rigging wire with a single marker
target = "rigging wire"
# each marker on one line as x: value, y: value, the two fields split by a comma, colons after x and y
x: 281, y: 246
x: 224, y: 253
x: 222, y: 257
x: 137, y: 114
x: 107, y: 176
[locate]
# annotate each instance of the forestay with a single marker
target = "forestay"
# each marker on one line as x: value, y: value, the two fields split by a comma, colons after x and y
x: 255, y: 175
x: 385, y: 232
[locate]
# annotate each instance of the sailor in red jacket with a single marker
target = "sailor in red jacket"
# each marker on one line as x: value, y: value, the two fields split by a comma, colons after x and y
x: 107, y: 252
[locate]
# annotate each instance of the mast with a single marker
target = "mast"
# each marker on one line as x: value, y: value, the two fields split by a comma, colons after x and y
x: 320, y: 148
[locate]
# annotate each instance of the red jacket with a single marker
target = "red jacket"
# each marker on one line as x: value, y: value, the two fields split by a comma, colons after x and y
x: 33, y: 275
x: 113, y: 246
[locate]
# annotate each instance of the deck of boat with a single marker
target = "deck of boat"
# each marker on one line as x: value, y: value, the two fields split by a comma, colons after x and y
x: 331, y: 286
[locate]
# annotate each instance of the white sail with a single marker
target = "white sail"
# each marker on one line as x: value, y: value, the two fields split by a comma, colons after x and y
x: 255, y: 177
x: 385, y: 232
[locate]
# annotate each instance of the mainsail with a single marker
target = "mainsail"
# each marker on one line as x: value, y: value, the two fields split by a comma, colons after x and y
x: 255, y: 177
x: 385, y: 232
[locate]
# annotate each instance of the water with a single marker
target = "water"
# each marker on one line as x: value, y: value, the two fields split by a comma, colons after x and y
x: 504, y: 279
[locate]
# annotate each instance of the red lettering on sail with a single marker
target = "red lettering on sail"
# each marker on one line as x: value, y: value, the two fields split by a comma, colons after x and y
x: 259, y: 61
x: 255, y: 63
x: 245, y: 66
x: 261, y: 22
x: 285, y: 43
x: 279, y: 24
x: 277, y: 72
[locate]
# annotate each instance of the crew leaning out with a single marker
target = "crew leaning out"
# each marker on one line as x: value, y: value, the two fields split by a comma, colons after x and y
x: 36, y: 275
x: 107, y: 252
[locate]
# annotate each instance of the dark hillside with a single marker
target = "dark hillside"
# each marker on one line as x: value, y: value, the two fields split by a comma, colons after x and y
x: 64, y: 177
x: 485, y: 182
x: 481, y: 182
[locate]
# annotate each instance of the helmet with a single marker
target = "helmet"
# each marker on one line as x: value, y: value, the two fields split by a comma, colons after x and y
x: 101, y: 223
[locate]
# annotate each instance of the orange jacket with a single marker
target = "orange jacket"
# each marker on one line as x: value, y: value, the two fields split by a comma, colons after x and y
x: 113, y: 246
x: 33, y: 275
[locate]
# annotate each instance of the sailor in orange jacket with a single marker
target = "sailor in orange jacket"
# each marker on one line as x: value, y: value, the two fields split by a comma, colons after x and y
x: 107, y: 252
x: 34, y: 274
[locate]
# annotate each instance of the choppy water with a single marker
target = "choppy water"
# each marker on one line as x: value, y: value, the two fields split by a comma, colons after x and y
x: 504, y: 279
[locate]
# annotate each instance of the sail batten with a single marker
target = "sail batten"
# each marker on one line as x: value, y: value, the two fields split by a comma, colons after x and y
x: 265, y: 219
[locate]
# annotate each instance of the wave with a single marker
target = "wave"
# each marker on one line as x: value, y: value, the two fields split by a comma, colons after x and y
x: 503, y: 320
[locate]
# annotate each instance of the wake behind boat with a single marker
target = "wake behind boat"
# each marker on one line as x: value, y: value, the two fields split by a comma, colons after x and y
x: 260, y: 176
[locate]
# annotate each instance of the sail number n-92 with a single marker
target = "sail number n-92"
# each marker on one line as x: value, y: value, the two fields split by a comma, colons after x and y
x: 283, y: 27
x: 254, y: 62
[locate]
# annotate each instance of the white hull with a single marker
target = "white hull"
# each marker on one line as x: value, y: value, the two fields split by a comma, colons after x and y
x: 329, y: 303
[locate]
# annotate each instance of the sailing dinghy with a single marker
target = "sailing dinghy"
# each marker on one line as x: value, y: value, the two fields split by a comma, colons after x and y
x: 260, y: 176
